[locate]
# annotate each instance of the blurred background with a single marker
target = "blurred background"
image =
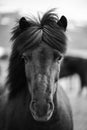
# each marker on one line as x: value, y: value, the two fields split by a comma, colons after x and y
x: 73, y: 78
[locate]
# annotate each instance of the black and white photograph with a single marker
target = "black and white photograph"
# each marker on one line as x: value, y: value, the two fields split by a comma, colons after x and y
x: 43, y: 65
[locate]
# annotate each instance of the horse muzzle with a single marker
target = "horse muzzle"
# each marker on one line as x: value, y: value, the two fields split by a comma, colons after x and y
x: 41, y: 111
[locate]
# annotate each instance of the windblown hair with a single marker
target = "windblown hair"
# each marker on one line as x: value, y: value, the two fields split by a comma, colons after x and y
x: 28, y: 34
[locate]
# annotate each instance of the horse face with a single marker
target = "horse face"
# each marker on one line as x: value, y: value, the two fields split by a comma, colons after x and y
x: 42, y: 68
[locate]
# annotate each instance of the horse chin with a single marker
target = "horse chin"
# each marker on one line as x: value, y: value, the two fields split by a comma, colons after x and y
x: 42, y: 119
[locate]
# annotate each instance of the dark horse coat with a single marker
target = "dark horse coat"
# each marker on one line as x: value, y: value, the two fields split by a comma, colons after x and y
x: 14, y: 101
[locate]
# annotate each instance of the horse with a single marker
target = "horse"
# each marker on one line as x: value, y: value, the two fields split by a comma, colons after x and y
x: 72, y: 65
x: 33, y: 98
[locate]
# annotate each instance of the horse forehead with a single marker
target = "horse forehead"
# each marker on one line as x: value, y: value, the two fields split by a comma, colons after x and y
x: 43, y: 51
x: 42, y: 57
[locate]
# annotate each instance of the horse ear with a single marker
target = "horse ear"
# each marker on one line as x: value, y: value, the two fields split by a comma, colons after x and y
x: 23, y: 23
x: 63, y: 22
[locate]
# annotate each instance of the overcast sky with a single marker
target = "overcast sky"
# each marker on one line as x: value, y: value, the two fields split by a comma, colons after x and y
x: 72, y: 9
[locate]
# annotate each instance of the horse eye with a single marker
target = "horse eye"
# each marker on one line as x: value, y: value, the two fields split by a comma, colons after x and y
x: 57, y: 56
x: 25, y: 58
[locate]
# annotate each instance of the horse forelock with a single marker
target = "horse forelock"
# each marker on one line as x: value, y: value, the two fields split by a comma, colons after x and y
x: 45, y: 29
x: 42, y: 29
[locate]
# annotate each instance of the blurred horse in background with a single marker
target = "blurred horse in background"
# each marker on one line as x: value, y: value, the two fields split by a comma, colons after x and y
x: 32, y: 98
x: 72, y: 65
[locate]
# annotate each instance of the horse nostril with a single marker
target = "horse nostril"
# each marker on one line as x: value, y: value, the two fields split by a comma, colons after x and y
x: 33, y: 106
x: 56, y: 79
x: 50, y: 106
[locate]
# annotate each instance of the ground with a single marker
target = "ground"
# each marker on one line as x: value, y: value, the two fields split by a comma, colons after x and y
x: 79, y: 108
x: 78, y: 103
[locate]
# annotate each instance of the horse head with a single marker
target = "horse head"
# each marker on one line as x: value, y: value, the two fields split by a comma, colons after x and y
x: 41, y: 45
